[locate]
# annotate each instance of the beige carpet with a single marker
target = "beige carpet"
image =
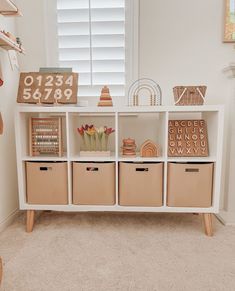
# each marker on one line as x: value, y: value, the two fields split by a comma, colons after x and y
x: 127, y: 252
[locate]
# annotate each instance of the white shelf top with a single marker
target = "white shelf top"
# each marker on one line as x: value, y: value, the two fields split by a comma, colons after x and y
x: 44, y: 158
x: 77, y: 158
x: 191, y: 159
x: 118, y: 208
x: 140, y: 159
x: 112, y: 158
x: 123, y: 109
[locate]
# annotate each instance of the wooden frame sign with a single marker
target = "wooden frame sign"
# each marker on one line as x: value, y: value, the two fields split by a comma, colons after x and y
x: 187, y: 138
x: 229, y: 26
x: 48, y: 88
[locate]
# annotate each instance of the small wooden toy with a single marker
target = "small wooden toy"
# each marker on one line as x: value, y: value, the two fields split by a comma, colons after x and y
x: 105, y: 98
x: 48, y: 88
x: 140, y: 87
x: 129, y: 147
x: 149, y: 149
x: 187, y: 138
x: 45, y: 136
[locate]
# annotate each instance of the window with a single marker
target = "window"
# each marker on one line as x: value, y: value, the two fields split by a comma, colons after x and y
x: 91, y: 40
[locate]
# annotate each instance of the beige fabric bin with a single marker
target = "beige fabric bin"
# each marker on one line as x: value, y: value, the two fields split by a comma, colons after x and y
x: 190, y: 185
x: 140, y: 184
x: 93, y: 183
x: 47, y: 183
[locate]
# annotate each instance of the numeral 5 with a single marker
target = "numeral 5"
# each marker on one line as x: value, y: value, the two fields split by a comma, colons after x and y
x: 27, y: 93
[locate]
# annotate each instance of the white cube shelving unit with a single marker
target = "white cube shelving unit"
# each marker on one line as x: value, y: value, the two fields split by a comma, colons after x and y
x: 140, y: 123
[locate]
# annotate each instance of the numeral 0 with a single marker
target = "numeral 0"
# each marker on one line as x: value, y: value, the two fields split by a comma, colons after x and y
x: 28, y: 81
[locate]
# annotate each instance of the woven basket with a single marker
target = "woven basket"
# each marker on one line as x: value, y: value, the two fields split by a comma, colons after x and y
x: 189, y: 95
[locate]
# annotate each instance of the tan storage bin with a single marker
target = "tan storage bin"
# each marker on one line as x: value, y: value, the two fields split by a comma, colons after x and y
x: 93, y: 183
x: 190, y: 185
x: 140, y: 184
x: 47, y: 183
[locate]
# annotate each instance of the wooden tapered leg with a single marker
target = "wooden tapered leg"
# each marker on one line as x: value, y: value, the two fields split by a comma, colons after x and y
x: 207, y: 220
x: 1, y: 270
x: 30, y: 220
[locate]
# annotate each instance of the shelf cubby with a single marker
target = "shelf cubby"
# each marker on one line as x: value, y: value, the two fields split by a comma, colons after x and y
x: 23, y: 127
x: 211, y: 118
x: 141, y: 127
x: 76, y: 144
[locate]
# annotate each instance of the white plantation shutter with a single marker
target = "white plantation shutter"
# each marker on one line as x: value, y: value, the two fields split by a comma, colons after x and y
x: 91, y: 39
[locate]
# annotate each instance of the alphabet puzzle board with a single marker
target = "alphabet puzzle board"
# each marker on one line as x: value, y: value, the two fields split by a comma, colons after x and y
x: 187, y: 138
x: 48, y: 88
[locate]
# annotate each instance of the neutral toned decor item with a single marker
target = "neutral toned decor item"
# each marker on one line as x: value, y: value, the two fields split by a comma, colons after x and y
x: 141, y: 184
x: 94, y: 183
x: 117, y: 116
x: 187, y: 138
x: 47, y: 183
x: 95, y: 140
x: 49, y: 88
x: 128, y: 147
x: 149, y: 149
x: 105, y: 98
x: 144, y: 86
x: 229, y: 22
x: 1, y: 124
x: 189, y: 185
x: 45, y: 136
x: 189, y: 95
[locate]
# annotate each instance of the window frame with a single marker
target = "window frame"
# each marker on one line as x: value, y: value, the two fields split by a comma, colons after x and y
x: 131, y: 38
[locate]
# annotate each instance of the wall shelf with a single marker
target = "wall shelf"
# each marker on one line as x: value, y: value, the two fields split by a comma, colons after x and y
x: 8, y: 8
x: 8, y: 44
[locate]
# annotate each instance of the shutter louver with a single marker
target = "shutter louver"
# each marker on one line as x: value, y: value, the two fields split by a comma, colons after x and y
x: 91, y: 39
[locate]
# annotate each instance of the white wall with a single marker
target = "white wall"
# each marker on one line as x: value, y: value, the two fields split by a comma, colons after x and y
x: 8, y: 178
x: 180, y: 43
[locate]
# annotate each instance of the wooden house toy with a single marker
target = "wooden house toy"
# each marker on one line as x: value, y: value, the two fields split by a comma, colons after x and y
x: 149, y: 149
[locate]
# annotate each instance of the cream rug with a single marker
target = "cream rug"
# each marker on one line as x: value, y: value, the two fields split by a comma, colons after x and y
x: 126, y: 252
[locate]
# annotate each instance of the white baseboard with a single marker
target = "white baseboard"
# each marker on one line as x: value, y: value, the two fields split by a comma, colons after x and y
x: 8, y: 221
x: 226, y: 218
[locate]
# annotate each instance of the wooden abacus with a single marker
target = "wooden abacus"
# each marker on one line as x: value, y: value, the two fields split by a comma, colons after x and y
x: 45, y: 136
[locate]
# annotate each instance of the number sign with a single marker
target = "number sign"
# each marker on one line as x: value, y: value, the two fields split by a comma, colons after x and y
x: 187, y: 138
x: 48, y: 88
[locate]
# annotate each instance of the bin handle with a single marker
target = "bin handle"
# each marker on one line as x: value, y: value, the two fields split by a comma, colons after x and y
x: 45, y: 168
x: 92, y: 169
x: 142, y: 169
x: 191, y: 170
